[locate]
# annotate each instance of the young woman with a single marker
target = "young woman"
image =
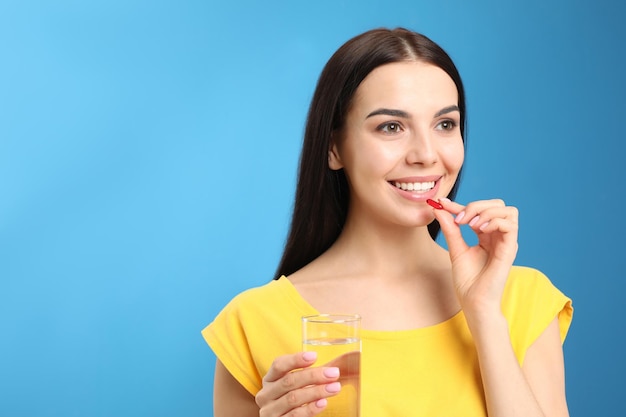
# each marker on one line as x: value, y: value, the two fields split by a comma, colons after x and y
x: 457, y: 332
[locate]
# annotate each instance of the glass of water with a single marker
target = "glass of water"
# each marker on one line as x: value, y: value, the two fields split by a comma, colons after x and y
x: 337, y: 340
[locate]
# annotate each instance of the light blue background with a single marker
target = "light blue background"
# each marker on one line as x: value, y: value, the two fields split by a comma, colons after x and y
x: 148, y: 152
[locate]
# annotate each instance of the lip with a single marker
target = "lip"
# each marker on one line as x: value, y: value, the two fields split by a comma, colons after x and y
x: 417, y: 196
x: 425, y: 178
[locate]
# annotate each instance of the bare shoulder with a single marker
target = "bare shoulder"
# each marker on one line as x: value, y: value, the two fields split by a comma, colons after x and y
x: 318, y: 275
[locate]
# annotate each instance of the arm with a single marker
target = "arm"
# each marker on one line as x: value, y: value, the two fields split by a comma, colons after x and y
x: 230, y: 398
x: 535, y: 389
x: 480, y: 273
x: 544, y: 369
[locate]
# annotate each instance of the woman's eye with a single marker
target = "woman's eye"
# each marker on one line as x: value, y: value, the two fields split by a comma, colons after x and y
x: 391, y: 127
x: 446, y: 125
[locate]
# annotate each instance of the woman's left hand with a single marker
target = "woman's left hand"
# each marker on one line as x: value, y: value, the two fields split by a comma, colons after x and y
x: 480, y: 272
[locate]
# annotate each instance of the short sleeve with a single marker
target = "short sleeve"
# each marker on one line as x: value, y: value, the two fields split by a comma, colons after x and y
x: 530, y: 303
x: 255, y: 328
x: 227, y: 337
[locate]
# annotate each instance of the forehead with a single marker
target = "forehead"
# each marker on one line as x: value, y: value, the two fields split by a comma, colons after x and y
x: 408, y: 85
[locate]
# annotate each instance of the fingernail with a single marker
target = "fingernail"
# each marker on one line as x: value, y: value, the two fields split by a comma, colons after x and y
x: 474, y: 221
x: 459, y: 216
x: 445, y: 200
x: 483, y: 226
x: 309, y: 356
x: 331, y: 372
x: 334, y: 387
x: 321, y: 403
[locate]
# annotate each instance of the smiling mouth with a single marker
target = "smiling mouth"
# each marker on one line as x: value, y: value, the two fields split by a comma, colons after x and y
x: 415, y: 186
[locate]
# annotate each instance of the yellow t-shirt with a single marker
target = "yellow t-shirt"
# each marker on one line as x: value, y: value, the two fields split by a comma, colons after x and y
x: 431, y: 371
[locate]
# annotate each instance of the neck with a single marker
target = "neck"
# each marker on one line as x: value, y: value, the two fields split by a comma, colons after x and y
x: 386, y: 249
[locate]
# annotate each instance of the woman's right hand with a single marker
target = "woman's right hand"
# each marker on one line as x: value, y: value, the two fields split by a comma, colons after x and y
x: 292, y: 388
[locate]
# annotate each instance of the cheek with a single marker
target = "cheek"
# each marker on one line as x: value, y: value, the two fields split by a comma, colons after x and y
x: 454, y: 155
x: 370, y: 159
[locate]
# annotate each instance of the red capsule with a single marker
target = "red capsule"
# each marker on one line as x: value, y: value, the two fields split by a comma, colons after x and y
x: 434, y: 204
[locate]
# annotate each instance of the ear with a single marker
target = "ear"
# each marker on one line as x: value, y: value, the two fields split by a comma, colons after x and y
x: 334, y: 160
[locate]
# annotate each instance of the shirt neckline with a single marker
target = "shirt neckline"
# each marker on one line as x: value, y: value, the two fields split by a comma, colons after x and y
x: 448, y: 325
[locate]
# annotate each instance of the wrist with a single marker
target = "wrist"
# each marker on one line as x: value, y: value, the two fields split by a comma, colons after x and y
x: 486, y: 323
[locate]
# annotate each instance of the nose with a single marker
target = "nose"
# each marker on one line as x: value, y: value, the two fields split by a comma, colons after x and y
x: 421, y: 149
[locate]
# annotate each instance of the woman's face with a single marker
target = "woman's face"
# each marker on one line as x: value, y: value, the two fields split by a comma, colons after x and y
x: 401, y: 143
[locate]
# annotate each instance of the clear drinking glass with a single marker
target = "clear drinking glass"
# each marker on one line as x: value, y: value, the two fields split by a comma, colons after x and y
x: 337, y: 340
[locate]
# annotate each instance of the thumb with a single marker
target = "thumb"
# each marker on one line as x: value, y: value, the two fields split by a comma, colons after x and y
x: 452, y: 233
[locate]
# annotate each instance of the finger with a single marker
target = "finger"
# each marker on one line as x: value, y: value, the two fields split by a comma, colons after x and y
x: 287, y: 363
x: 305, y: 378
x: 304, y: 401
x: 348, y: 363
x: 451, y: 232
x: 307, y: 410
x: 499, y: 225
x: 451, y: 206
x: 311, y: 409
x: 481, y: 221
x: 508, y: 230
x: 295, y: 380
x: 476, y: 208
x: 309, y: 395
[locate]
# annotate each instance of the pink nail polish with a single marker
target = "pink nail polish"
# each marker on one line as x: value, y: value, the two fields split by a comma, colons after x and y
x: 309, y: 356
x: 434, y: 204
x: 333, y: 387
x: 321, y: 403
x: 331, y: 372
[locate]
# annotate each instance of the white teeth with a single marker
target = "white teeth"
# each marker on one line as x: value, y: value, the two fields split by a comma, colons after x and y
x: 415, y: 186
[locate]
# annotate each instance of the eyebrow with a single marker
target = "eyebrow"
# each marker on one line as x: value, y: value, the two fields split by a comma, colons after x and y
x: 389, y: 112
x: 447, y: 110
x: 405, y: 115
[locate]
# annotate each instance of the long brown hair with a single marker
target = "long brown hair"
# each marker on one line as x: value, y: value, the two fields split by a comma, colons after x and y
x: 322, y: 194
